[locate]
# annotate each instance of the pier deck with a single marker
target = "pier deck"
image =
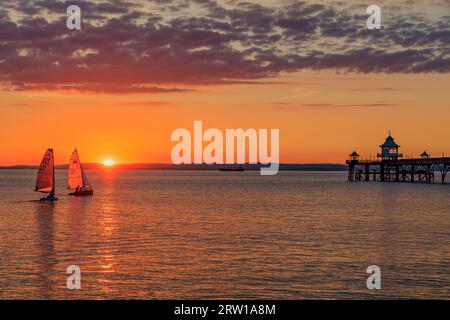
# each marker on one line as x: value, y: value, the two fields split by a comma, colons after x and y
x: 398, y: 170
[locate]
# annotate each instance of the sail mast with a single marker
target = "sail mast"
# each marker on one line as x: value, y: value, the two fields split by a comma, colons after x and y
x: 83, y: 182
x: 53, y: 156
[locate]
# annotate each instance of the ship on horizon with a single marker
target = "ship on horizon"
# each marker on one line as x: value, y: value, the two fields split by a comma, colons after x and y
x: 231, y: 167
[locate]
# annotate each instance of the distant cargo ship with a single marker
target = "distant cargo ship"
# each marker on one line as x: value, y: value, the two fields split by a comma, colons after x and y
x: 231, y: 168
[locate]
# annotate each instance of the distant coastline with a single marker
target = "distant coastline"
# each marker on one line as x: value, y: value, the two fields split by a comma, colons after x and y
x: 166, y: 166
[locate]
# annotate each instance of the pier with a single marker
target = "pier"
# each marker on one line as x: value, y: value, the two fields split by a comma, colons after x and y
x: 390, y: 166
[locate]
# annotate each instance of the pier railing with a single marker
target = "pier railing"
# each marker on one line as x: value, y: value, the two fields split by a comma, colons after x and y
x: 398, y: 170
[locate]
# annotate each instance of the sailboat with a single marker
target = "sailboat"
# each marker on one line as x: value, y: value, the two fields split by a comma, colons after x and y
x: 78, y: 180
x: 45, y: 181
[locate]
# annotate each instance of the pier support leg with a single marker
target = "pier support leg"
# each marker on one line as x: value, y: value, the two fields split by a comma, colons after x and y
x: 444, y: 173
x: 351, y: 171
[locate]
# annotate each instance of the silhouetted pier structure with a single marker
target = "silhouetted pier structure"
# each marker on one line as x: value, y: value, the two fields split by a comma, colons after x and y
x: 390, y: 166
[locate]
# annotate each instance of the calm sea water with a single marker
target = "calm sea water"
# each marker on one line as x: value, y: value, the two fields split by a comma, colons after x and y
x: 156, y: 234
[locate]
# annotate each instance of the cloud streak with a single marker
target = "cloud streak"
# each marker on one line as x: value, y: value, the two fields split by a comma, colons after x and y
x: 326, y: 106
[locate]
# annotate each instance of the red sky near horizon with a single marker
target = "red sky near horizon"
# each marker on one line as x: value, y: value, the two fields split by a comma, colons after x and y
x: 139, y: 70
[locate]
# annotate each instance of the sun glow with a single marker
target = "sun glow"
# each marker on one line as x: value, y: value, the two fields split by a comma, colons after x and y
x: 108, y: 163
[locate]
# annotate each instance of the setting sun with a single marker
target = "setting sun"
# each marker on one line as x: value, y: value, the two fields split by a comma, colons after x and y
x: 108, y: 163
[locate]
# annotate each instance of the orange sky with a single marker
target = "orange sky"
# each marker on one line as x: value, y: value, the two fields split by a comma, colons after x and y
x: 141, y: 69
x: 322, y: 117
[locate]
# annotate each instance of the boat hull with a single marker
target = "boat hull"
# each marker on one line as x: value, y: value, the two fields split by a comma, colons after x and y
x: 224, y: 169
x: 82, y: 193
x: 48, y: 199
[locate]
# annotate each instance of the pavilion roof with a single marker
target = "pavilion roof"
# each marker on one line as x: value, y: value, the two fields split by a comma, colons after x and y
x: 390, y: 143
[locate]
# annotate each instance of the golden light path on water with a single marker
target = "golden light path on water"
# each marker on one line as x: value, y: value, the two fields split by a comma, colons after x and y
x: 192, y: 234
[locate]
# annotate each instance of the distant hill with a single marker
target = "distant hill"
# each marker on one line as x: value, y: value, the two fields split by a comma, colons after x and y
x: 166, y: 166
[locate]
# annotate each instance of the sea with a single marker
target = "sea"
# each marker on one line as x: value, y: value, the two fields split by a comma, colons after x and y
x: 224, y: 235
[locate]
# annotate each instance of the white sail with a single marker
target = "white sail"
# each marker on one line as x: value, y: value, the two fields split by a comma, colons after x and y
x: 45, y: 181
x: 77, y: 176
x: 86, y: 183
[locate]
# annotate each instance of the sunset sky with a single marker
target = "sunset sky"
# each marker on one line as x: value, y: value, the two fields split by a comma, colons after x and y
x: 140, y: 69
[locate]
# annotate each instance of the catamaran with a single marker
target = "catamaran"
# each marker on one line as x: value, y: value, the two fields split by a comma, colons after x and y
x: 78, y: 180
x: 45, y: 181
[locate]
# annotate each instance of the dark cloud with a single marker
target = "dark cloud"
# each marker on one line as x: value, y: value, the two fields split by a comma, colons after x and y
x: 107, y: 88
x: 126, y: 47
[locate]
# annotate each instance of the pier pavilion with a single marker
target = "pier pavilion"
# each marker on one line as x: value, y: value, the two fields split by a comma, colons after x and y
x: 391, y: 166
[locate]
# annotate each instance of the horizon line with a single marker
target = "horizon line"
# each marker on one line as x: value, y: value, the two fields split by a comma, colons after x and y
x: 172, y: 164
